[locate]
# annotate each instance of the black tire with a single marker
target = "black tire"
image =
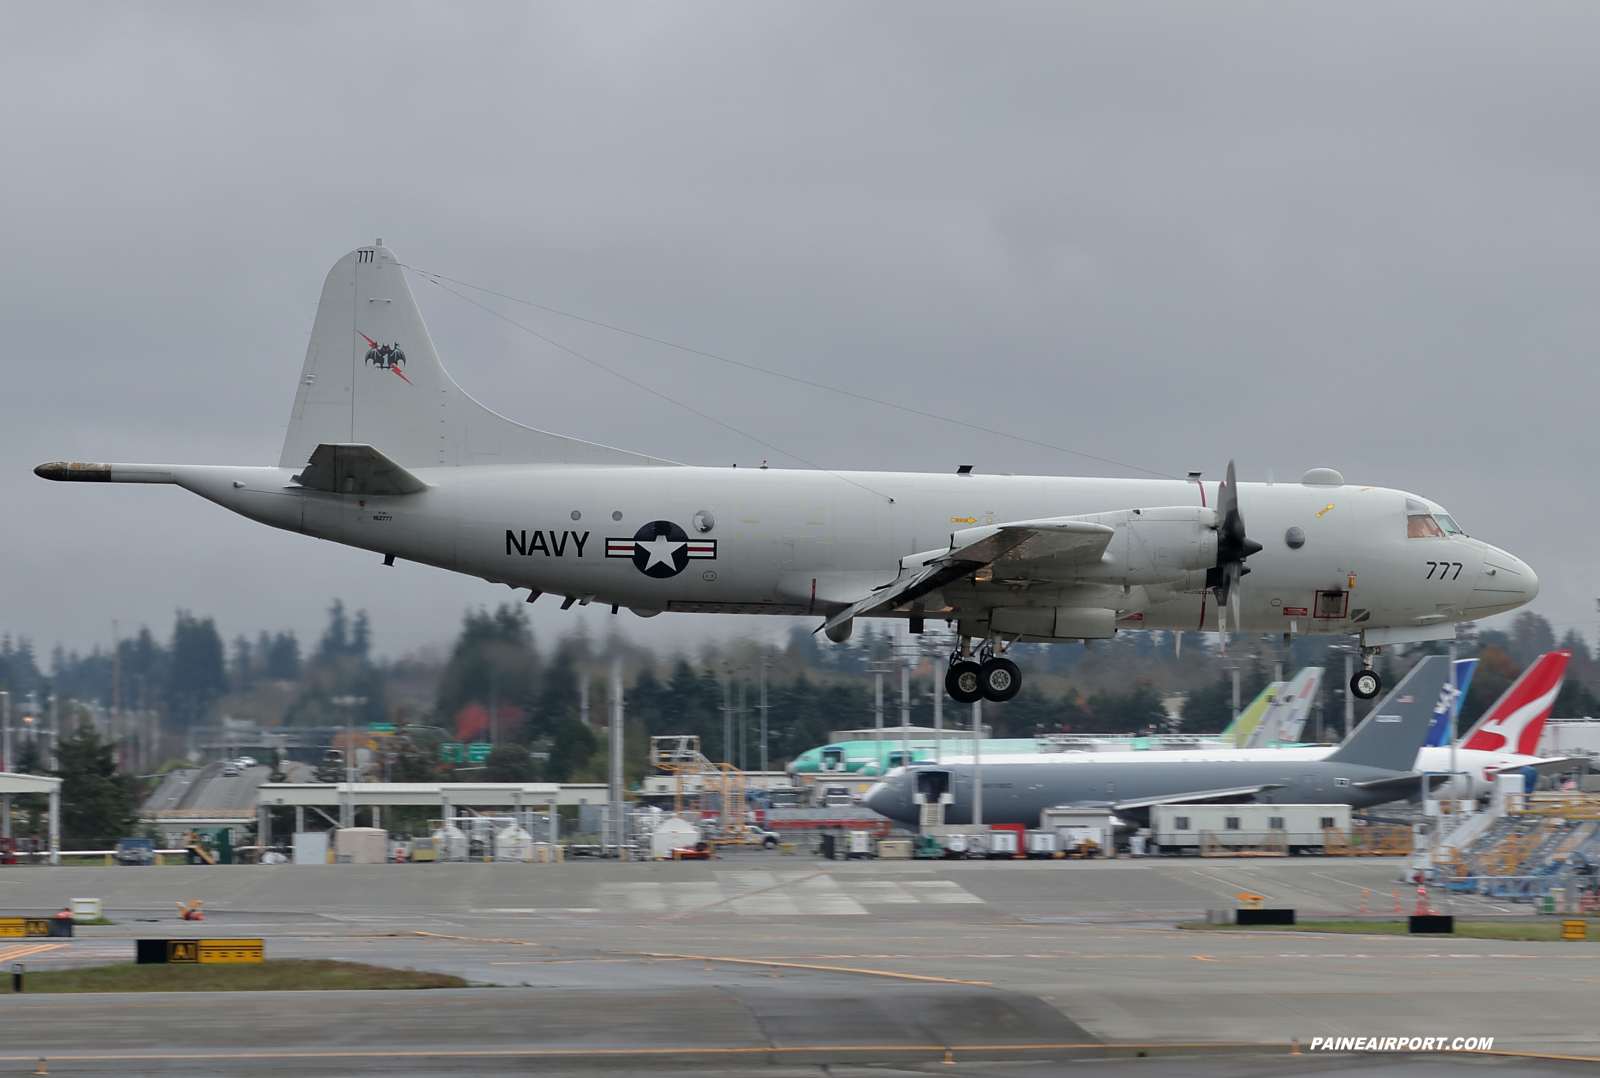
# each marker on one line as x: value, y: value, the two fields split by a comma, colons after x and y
x: 964, y: 682
x: 1365, y: 684
x: 1001, y: 680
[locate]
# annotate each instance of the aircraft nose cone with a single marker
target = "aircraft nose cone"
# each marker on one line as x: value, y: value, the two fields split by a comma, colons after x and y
x: 1530, y: 580
x: 887, y: 797
x: 1505, y: 583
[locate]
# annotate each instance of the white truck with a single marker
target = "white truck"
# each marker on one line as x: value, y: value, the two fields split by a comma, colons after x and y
x: 1244, y: 829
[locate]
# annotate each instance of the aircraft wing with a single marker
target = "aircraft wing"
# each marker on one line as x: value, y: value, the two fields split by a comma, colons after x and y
x: 1060, y: 539
x: 1552, y: 765
x: 1409, y: 781
x: 1196, y: 796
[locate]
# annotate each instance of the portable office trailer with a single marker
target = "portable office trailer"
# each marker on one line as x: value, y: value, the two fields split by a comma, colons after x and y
x: 1176, y: 829
x: 1073, y: 826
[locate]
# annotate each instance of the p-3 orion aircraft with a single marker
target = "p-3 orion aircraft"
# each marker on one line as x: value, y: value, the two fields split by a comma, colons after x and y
x: 386, y: 453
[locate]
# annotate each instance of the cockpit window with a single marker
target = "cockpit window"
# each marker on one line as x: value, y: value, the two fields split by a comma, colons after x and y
x: 1420, y: 523
x: 1448, y: 524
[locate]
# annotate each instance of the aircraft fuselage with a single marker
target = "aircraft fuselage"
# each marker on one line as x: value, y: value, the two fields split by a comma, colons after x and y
x: 804, y: 542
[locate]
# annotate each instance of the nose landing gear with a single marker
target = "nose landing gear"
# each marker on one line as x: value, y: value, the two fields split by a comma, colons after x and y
x: 1366, y: 683
x: 991, y: 677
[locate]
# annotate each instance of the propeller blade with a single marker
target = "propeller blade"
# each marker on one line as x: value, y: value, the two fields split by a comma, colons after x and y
x: 1233, y: 545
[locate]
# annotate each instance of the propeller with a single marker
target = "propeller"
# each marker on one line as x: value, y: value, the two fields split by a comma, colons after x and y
x: 1233, y: 547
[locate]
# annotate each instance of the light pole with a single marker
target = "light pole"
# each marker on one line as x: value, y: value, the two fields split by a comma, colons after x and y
x: 5, y: 801
x: 1349, y: 652
x: 878, y: 669
x: 347, y: 815
x: 765, y: 662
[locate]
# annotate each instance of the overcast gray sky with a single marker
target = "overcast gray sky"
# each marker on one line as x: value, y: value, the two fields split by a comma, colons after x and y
x: 1357, y: 235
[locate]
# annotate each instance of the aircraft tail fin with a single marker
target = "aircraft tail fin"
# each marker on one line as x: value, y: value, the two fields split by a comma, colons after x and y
x: 1515, y: 721
x: 1287, y: 713
x: 1241, y: 729
x: 1391, y: 734
x: 372, y: 377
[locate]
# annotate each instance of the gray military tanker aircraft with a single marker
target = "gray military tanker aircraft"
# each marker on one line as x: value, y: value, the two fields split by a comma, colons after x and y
x: 1373, y: 766
x: 386, y: 453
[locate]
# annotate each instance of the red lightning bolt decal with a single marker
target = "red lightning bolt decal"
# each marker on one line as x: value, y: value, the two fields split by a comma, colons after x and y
x: 396, y: 370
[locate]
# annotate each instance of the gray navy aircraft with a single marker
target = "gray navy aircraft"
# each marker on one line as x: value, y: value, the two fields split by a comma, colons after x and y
x: 1373, y: 765
x: 386, y: 453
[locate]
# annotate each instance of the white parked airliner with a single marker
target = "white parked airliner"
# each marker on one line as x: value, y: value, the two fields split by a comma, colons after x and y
x: 386, y: 453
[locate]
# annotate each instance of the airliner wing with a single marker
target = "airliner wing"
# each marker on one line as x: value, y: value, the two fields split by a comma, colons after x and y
x: 1061, y: 540
x: 1197, y: 796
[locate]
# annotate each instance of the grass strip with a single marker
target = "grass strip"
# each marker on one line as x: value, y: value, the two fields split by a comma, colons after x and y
x: 1483, y: 930
x: 273, y: 975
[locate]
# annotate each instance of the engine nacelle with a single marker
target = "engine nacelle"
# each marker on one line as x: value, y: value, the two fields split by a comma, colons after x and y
x: 1154, y: 546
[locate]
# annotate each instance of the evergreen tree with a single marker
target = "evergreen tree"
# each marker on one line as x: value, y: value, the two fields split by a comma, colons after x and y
x: 1531, y: 636
x: 510, y: 763
x: 1136, y: 711
x: 283, y: 657
x: 572, y: 744
x: 493, y: 657
x: 196, y: 677
x: 98, y: 803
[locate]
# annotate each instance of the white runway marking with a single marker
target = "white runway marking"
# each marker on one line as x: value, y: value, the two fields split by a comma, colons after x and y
x: 780, y: 894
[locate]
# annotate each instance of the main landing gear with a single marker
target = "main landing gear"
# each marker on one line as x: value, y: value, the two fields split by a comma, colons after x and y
x: 990, y: 677
x: 1366, y: 683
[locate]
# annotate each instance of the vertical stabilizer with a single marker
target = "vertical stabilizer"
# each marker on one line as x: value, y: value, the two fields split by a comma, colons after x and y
x: 1287, y: 713
x: 1391, y: 734
x: 372, y: 377
x: 1515, y: 721
x: 1241, y: 729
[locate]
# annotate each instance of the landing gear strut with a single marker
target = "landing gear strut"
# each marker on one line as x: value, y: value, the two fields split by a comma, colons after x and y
x: 991, y: 677
x: 1366, y: 683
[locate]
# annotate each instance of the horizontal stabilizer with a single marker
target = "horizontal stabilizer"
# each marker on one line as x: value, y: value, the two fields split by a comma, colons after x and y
x: 356, y: 469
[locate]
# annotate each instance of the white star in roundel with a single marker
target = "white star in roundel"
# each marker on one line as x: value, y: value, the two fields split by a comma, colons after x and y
x: 660, y: 551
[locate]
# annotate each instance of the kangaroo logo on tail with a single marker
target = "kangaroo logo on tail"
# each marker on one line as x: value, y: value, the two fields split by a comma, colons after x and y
x: 1515, y: 721
x: 387, y: 357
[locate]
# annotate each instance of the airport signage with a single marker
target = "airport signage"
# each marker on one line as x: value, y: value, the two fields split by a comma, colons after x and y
x: 478, y: 752
x: 199, y: 952
x: 380, y: 727
x: 453, y: 752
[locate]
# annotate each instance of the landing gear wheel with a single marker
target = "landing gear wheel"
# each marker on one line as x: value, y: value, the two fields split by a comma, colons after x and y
x: 1365, y: 685
x: 964, y: 682
x: 1001, y: 680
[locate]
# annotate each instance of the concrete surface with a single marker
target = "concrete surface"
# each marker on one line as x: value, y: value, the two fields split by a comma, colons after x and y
x: 877, y: 964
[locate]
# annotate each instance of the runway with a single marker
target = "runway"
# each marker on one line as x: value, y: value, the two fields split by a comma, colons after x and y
x: 778, y: 964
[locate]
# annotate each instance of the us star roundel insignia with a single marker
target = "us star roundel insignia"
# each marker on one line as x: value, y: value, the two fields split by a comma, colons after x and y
x: 661, y: 549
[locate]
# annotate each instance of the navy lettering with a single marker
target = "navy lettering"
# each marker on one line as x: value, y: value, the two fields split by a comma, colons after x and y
x: 559, y: 546
x: 580, y: 540
x: 514, y: 540
x: 537, y: 543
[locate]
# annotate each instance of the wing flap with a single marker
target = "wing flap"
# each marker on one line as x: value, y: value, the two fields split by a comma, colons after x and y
x: 973, y: 548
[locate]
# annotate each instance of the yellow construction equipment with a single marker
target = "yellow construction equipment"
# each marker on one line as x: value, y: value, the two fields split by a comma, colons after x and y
x: 1367, y: 841
x: 717, y: 788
